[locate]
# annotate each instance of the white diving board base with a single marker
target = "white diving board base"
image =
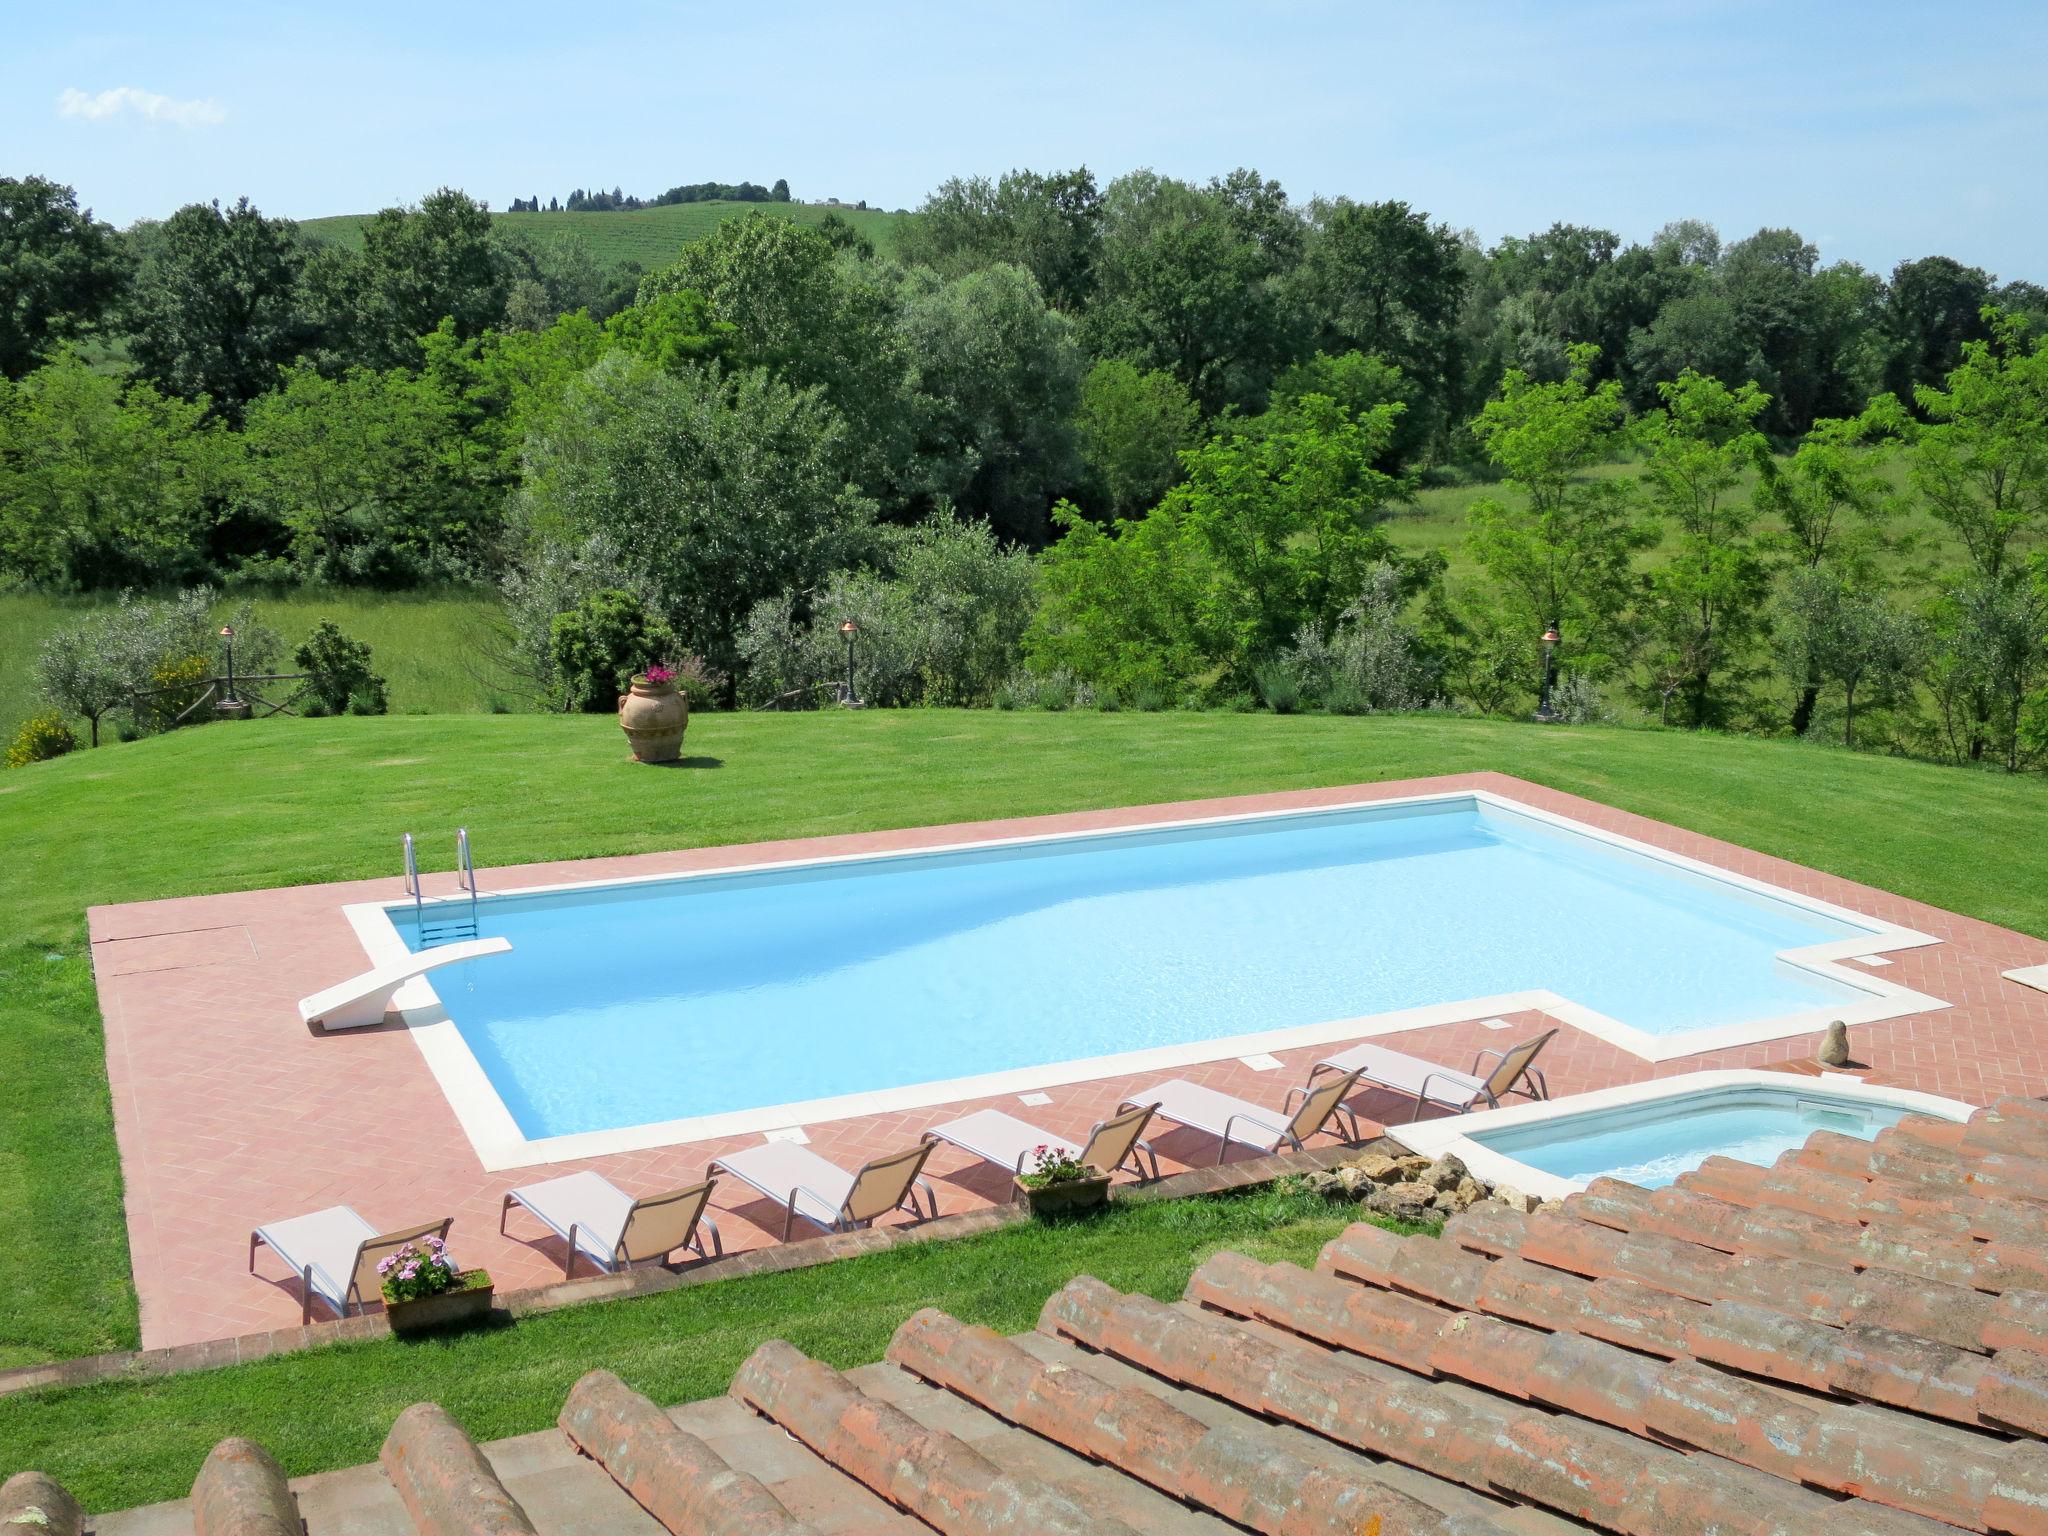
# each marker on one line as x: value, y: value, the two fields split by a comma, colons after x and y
x: 363, y: 1000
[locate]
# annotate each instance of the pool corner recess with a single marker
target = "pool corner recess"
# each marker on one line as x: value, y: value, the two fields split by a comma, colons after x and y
x: 666, y: 1009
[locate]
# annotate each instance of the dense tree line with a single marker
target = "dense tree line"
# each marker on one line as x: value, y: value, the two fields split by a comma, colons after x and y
x: 1134, y: 444
x: 581, y: 201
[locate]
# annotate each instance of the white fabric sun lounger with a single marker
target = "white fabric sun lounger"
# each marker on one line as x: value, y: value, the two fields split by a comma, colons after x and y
x: 1230, y: 1119
x: 823, y: 1193
x: 594, y: 1217
x: 363, y: 1000
x: 1513, y: 1072
x: 335, y: 1254
x: 1010, y: 1143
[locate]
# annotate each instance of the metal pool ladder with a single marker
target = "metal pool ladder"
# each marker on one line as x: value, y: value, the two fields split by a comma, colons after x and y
x: 446, y: 921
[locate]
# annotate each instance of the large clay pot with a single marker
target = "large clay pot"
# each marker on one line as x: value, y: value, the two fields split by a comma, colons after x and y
x: 653, y: 716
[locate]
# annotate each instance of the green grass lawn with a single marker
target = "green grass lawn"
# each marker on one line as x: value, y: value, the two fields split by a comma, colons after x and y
x: 649, y: 236
x: 123, y: 1443
x: 224, y: 807
x: 424, y: 642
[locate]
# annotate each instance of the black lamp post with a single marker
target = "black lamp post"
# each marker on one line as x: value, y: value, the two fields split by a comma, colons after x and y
x: 849, y: 629
x: 1544, y: 712
x: 227, y: 635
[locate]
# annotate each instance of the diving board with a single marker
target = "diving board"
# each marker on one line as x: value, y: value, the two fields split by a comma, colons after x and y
x: 363, y: 1000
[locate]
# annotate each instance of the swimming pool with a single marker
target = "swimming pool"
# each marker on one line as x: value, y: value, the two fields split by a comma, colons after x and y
x: 705, y: 1000
x: 1649, y: 1133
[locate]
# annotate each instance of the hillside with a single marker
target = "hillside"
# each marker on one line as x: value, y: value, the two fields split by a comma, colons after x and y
x: 649, y: 236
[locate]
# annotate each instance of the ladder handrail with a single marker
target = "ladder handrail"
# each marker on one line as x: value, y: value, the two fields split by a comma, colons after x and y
x: 465, y: 868
x: 412, y: 885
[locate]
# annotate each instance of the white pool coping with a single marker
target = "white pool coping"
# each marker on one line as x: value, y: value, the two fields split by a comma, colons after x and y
x: 500, y: 1144
x: 1455, y: 1134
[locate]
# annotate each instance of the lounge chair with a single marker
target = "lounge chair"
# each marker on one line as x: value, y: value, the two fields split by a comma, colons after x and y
x: 593, y: 1216
x: 335, y: 1254
x: 1010, y: 1143
x: 823, y: 1193
x: 1514, y: 1072
x: 1253, y: 1125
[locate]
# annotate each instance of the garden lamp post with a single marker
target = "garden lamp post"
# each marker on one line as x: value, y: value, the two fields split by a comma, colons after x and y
x: 1544, y: 712
x: 849, y: 629
x: 227, y: 635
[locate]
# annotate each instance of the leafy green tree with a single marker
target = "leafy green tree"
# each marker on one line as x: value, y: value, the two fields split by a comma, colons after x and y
x: 61, y: 271
x: 1188, y: 280
x: 1133, y: 428
x: 1994, y: 633
x: 1379, y: 278
x: 1359, y: 383
x: 779, y: 193
x: 418, y: 266
x: 1706, y: 603
x: 815, y: 319
x: 373, y: 477
x: 1277, y: 526
x: 1981, y: 462
x: 104, y: 482
x: 1560, y: 552
x: 339, y: 678
x: 1832, y: 633
x: 714, y: 493
x: 1933, y: 307
x: 1048, y: 224
x: 1832, y: 502
x: 998, y: 377
x: 549, y: 275
x: 215, y: 306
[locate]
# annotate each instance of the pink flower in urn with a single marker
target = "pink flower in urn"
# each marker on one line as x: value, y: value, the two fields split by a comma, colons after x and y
x: 659, y: 673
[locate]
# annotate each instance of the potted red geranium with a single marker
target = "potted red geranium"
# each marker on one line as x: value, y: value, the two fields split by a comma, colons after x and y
x: 1058, y: 1181
x: 423, y: 1288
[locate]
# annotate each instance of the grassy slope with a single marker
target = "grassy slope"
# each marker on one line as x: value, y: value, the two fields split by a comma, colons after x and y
x: 139, y: 1441
x: 224, y: 807
x: 649, y: 236
x: 422, y: 641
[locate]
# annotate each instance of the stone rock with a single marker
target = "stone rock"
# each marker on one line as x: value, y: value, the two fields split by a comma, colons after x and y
x: 1408, y: 1167
x: 1379, y: 1168
x: 1834, y: 1049
x: 1327, y: 1184
x: 1351, y: 1180
x: 1444, y: 1173
x: 1469, y: 1191
x: 1404, y: 1202
x: 1514, y: 1199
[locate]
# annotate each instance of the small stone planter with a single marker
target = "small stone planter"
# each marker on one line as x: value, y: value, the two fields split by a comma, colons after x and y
x: 468, y: 1302
x: 654, y: 716
x: 1069, y: 1195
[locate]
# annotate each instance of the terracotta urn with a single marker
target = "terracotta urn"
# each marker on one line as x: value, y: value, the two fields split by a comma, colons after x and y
x: 653, y: 716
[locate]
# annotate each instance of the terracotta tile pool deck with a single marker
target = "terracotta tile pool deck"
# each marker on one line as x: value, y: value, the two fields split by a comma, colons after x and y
x: 230, y: 1113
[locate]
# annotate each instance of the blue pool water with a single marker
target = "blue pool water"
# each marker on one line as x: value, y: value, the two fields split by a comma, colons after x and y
x: 627, y: 1005
x: 1652, y: 1144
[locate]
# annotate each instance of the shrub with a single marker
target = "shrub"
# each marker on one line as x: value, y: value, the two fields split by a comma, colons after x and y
x: 175, y: 684
x: 598, y: 645
x: 1577, y: 700
x: 1372, y: 660
x: 941, y: 625
x: 1278, y: 684
x: 339, y: 679
x: 40, y: 738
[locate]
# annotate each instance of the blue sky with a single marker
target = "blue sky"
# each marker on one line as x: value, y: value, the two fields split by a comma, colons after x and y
x: 1880, y: 130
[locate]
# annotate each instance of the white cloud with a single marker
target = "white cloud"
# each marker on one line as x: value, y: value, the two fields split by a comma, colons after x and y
x: 124, y: 100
